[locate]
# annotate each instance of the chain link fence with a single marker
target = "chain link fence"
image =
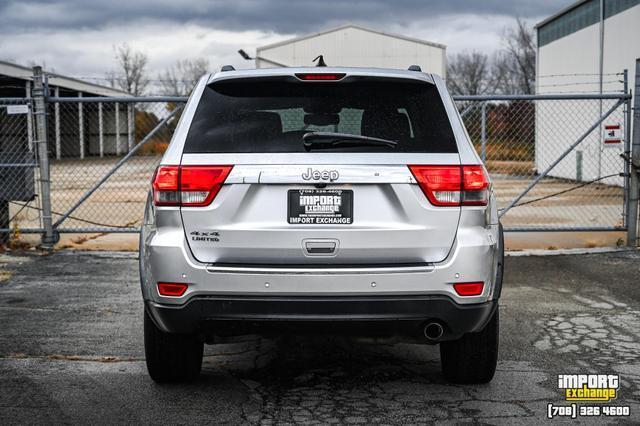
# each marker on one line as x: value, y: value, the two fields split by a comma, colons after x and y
x: 18, y: 167
x: 519, y: 139
x: 87, y: 142
x: 545, y: 153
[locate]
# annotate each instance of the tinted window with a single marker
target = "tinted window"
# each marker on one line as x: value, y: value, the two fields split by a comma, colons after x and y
x: 272, y: 116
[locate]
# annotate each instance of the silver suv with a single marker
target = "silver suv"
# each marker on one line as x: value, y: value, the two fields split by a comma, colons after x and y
x: 323, y: 200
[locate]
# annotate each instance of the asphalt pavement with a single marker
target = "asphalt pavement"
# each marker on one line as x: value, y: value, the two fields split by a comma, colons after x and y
x: 71, y: 351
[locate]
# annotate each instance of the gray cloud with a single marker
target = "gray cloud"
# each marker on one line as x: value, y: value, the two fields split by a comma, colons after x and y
x: 280, y: 16
x: 76, y: 37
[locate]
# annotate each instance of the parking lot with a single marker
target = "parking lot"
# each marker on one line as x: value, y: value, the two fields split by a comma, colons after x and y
x: 71, y: 352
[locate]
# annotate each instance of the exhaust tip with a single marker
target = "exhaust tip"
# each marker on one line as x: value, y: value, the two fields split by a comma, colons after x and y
x: 433, y: 331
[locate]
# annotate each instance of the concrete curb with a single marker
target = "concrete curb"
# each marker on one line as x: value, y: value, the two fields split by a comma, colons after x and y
x: 573, y: 251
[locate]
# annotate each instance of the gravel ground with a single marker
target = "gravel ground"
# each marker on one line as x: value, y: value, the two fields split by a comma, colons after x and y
x: 71, y: 352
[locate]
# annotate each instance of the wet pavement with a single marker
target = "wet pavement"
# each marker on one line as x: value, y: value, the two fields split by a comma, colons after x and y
x: 71, y: 352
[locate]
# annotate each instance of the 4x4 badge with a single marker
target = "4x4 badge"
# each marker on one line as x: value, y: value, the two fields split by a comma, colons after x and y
x: 329, y: 175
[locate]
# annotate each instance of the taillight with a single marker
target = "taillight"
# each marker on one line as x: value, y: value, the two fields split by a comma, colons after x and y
x: 469, y: 289
x: 192, y: 186
x: 475, y: 186
x: 165, y: 186
x: 441, y: 184
x: 452, y: 185
x: 172, y: 289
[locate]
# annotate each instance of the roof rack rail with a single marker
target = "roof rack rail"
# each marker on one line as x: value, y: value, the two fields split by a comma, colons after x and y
x: 227, y: 68
x: 415, y: 68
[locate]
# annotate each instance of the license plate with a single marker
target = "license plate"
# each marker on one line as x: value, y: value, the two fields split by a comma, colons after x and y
x: 320, y: 206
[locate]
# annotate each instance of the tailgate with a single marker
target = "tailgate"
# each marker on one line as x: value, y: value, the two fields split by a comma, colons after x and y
x: 322, y: 214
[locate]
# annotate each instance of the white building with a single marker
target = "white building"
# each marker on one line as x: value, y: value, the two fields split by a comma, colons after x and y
x: 75, y: 127
x: 354, y: 46
x: 568, y: 61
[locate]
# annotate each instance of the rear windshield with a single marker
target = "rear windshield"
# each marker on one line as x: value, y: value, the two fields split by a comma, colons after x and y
x: 272, y: 116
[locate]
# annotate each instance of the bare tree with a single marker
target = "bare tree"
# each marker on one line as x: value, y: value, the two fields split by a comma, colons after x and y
x: 515, y: 64
x: 131, y: 75
x: 180, y: 79
x: 469, y: 73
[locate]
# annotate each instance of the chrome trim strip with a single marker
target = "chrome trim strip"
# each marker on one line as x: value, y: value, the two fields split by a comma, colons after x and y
x: 266, y: 270
x: 288, y: 174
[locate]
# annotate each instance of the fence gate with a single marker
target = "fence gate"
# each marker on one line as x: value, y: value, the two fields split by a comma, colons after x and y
x: 557, y: 161
x: 103, y: 152
x: 18, y: 169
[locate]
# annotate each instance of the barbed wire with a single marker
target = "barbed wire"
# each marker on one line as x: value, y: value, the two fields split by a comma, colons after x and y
x: 581, y: 83
x: 155, y: 80
x: 576, y: 75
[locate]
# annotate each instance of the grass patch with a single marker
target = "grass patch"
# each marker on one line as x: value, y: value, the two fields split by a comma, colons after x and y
x: 4, y: 275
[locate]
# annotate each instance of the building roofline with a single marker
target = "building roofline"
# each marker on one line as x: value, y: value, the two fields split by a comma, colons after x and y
x: 342, y: 27
x: 26, y: 73
x: 559, y: 13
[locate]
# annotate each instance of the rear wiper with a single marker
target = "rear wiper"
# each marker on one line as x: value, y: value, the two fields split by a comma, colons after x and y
x: 330, y: 139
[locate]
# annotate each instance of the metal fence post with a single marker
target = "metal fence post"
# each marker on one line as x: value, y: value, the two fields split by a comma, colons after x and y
x: 483, y: 136
x: 81, y: 127
x: 48, y: 237
x: 117, y: 124
x: 29, y: 118
x: 634, y: 167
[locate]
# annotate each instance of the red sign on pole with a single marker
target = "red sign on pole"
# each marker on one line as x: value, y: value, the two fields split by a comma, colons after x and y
x: 612, y: 137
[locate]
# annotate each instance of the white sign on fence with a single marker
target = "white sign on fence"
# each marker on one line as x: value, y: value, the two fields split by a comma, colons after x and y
x: 17, y: 109
x: 612, y: 137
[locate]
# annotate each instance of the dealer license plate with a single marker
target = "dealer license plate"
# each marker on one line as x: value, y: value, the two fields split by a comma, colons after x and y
x: 320, y: 206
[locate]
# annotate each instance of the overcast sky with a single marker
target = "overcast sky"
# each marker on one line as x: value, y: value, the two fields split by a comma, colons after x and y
x: 77, y: 39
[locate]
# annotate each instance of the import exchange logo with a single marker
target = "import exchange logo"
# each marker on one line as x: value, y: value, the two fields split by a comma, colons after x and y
x: 589, y: 387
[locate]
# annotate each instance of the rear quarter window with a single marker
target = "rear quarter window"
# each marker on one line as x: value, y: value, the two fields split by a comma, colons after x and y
x: 250, y: 115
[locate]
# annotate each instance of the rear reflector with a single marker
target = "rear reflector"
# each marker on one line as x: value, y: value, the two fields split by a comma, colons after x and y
x: 320, y: 76
x: 469, y: 289
x: 191, y: 186
x: 172, y: 289
x: 446, y: 185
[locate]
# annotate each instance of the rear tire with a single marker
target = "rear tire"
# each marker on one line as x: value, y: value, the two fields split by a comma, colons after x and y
x: 171, y: 357
x: 472, y: 358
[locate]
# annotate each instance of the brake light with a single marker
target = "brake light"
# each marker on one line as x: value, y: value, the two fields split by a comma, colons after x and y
x: 469, y: 289
x: 475, y: 186
x: 446, y: 185
x: 320, y: 76
x: 192, y: 186
x: 172, y: 289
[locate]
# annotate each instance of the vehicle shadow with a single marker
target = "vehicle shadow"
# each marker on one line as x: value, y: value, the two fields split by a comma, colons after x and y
x: 338, y: 379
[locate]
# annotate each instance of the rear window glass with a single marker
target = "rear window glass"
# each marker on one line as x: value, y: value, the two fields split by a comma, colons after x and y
x: 272, y: 116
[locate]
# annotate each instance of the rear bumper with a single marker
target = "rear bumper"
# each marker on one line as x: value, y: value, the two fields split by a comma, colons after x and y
x: 167, y: 258
x: 370, y: 315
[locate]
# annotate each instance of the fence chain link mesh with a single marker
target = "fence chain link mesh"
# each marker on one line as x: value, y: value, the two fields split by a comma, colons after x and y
x: 18, y: 168
x: 86, y: 141
x: 519, y: 139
